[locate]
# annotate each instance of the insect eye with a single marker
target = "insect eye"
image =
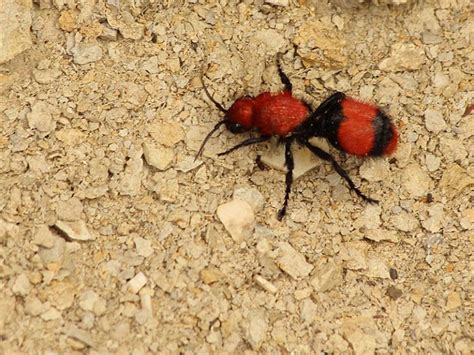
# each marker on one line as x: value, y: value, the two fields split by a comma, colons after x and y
x: 235, y: 127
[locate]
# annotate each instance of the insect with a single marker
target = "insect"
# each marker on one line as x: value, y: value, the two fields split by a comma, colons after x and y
x: 352, y: 126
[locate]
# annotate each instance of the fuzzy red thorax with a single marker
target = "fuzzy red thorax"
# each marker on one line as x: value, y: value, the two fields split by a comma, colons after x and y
x: 272, y: 114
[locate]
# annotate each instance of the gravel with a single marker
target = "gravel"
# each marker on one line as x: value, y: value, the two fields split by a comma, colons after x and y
x: 114, y: 239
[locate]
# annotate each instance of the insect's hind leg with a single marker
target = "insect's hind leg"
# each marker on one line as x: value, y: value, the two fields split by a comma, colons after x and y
x: 342, y: 173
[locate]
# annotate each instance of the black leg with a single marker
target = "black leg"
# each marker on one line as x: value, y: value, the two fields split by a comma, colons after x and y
x: 289, y: 177
x: 245, y: 143
x: 283, y: 77
x: 342, y: 173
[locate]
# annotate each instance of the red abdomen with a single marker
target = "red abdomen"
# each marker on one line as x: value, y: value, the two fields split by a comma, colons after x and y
x: 278, y: 114
x: 365, y: 130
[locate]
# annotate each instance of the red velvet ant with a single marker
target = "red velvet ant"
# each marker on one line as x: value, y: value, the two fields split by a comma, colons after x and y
x: 351, y: 126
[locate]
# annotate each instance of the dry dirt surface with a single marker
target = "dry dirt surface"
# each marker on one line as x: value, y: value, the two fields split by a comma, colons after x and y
x: 114, y: 240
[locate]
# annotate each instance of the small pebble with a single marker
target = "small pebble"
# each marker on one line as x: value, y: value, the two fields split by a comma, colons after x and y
x: 257, y: 329
x: 394, y: 293
x: 138, y: 281
x: 70, y: 210
x: 51, y: 314
x: 210, y: 275
x: 250, y: 195
x: 166, y: 133
x: 277, y: 2
x: 238, y: 219
x: 293, y: 262
x: 143, y: 247
x: 327, y: 277
x: 75, y: 230
x: 393, y: 273
x: 303, y: 158
x: 434, y: 121
x: 22, y: 285
x: 40, y: 118
x: 453, y: 301
x: 44, y: 237
x: 158, y: 157
x: 86, y: 53
x: 265, y: 284
x: 415, y: 180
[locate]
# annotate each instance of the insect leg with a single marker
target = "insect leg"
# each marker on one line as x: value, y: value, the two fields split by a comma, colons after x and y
x: 245, y: 143
x: 342, y: 173
x: 284, y: 79
x: 289, y: 162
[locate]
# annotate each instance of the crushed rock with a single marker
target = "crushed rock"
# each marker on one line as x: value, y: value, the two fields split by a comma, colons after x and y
x: 102, y: 111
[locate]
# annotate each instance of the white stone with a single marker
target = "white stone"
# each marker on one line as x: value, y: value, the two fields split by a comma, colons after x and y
x: 44, y: 237
x: 40, y: 118
x: 151, y: 65
x: 70, y: 210
x: 34, y: 306
x: 292, y: 262
x: 432, y: 162
x: 434, y: 121
x: 375, y: 170
x: 75, y: 230
x: 277, y: 2
x: 87, y: 300
x: 362, y: 343
x: 143, y: 246
x: 273, y: 40
x: 131, y: 178
x: 238, y: 219
x: 378, y: 235
x: 453, y: 301
x: 250, y: 195
x: 22, y: 285
x: 166, y: 133
x: 137, y: 282
x: 265, y: 284
x: 158, y: 157
x: 303, y: 158
x: 354, y: 255
x: 405, y: 222
x: 376, y: 267
x: 15, y: 24
x: 370, y: 219
x: 8, y: 230
x: 437, y: 218
x: 257, y: 328
x: 84, y: 53
x: 51, y: 314
x: 415, y: 180
x: 327, y: 276
x: 403, y: 56
x: 308, y: 311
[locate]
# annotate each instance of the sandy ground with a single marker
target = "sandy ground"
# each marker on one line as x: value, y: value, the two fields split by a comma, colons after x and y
x: 112, y: 239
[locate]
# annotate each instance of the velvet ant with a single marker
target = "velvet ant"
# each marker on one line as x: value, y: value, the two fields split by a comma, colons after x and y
x: 352, y: 126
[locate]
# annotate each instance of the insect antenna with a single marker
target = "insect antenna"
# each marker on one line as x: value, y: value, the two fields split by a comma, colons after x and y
x: 218, y: 105
x: 216, y: 127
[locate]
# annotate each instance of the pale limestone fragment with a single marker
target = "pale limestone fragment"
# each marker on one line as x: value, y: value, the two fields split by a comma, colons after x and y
x: 292, y: 262
x: 265, y: 284
x: 137, y: 282
x: 238, y: 219
x: 75, y: 230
